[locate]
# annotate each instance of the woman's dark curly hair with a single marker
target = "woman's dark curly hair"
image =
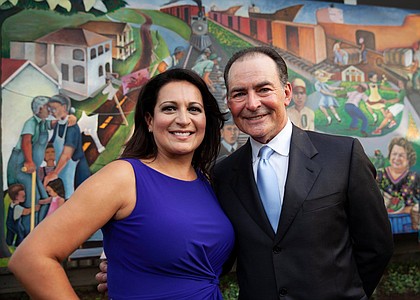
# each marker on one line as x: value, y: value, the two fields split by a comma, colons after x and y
x: 142, y: 144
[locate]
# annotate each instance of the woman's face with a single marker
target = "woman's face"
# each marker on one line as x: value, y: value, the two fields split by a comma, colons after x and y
x: 398, y: 158
x: 179, y: 120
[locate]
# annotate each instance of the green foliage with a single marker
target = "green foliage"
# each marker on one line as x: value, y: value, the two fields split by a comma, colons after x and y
x: 400, y: 278
x: 170, y: 22
x: 229, y: 287
x: 128, y: 15
x: 230, y: 42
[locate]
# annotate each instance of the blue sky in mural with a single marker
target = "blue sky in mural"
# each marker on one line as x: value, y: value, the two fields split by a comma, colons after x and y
x: 378, y: 15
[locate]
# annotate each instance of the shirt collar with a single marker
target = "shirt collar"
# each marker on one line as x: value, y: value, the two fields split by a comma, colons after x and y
x: 229, y: 146
x: 280, y: 143
x: 38, y: 119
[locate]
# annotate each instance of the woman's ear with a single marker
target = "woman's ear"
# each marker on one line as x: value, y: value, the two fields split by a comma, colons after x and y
x: 149, y: 122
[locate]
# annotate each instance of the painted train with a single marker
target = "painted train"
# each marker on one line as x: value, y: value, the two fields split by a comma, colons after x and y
x: 313, y: 43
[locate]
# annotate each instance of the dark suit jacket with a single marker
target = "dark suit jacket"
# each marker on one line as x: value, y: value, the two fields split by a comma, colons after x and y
x: 333, y: 240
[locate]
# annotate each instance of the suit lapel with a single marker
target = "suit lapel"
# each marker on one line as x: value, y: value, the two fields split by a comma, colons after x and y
x: 302, y: 173
x: 247, y: 191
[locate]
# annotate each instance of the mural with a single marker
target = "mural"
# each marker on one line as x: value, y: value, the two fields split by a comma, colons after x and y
x: 72, y: 71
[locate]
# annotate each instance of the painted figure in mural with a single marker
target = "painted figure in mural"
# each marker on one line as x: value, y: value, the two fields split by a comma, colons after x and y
x: 416, y: 66
x: 172, y: 61
x: 400, y: 186
x: 205, y: 67
x: 379, y: 159
x: 301, y: 115
x: 326, y: 91
x: 363, y: 51
x: 49, y: 162
x: 340, y: 57
x: 28, y: 154
x: 375, y: 101
x: 55, y: 188
x: 352, y: 108
x: 392, y: 111
x: 173, y: 245
x: 203, y: 56
x: 229, y: 141
x: 323, y: 209
x: 72, y: 166
x: 15, y: 229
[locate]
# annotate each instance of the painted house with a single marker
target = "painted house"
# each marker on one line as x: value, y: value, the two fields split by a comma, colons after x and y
x: 353, y: 73
x: 76, y: 58
x: 21, y: 81
x: 123, y: 45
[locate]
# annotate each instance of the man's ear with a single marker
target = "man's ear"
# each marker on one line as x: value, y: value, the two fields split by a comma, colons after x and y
x: 288, y: 93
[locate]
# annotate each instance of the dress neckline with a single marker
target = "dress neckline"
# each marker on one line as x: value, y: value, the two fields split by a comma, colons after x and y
x: 168, y: 176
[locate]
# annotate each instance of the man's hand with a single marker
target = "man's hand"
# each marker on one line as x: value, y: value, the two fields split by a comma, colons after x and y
x: 101, y: 277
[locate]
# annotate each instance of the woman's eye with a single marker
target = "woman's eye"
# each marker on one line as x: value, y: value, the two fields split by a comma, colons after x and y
x: 168, y: 108
x: 195, y: 109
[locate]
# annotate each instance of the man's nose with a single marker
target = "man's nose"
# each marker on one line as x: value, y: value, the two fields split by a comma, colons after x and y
x: 253, y: 102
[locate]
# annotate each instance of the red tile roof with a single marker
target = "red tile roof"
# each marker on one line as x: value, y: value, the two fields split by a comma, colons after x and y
x: 9, y: 66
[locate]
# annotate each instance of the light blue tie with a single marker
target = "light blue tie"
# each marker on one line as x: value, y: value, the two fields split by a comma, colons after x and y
x: 268, y: 187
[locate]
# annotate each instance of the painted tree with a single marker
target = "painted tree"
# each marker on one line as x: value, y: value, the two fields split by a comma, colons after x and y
x: 9, y: 8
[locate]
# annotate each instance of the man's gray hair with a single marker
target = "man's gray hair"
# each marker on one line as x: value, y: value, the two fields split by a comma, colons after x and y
x: 38, y: 102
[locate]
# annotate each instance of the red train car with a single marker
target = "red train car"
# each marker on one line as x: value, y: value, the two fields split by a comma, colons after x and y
x: 183, y: 12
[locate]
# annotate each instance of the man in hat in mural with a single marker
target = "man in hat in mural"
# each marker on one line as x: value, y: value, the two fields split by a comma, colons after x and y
x: 203, y: 56
x: 171, y: 61
x: 301, y: 115
x: 205, y: 67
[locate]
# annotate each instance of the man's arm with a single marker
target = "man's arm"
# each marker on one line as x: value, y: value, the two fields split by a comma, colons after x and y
x: 369, y: 225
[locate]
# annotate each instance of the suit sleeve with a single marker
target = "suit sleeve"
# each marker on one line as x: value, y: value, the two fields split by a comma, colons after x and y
x: 368, y: 221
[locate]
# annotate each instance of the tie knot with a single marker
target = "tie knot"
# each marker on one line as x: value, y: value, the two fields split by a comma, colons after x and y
x: 265, y: 152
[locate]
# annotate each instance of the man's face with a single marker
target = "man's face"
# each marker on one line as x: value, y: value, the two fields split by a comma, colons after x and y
x: 43, y: 112
x: 179, y: 55
x: 58, y: 111
x: 256, y: 97
x: 299, y: 96
x: 230, y: 133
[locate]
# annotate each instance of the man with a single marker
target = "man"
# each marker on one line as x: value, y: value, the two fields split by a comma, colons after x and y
x: 229, y: 142
x: 300, y: 115
x: 203, y: 56
x: 205, y: 67
x: 333, y: 239
x: 28, y: 155
x: 171, y: 61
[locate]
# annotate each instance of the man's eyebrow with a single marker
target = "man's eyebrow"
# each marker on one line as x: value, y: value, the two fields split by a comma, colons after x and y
x: 255, y: 86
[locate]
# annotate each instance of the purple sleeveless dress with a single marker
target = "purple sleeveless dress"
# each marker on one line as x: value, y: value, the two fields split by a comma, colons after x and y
x: 174, y: 243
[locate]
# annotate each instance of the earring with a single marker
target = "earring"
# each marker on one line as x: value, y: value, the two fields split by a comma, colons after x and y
x: 150, y: 130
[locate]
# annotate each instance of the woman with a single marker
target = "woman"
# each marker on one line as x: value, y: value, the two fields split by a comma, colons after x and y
x: 401, y: 187
x: 163, y: 227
